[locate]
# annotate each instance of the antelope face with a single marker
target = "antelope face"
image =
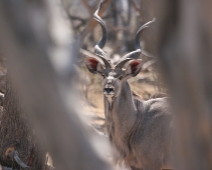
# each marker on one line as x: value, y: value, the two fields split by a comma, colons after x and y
x: 110, y: 84
x: 114, y: 76
x: 127, y: 67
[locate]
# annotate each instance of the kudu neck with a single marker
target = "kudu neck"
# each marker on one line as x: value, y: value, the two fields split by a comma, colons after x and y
x: 120, y: 117
x: 124, y: 101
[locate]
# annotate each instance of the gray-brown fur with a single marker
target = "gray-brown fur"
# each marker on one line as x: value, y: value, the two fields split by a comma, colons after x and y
x: 139, y: 130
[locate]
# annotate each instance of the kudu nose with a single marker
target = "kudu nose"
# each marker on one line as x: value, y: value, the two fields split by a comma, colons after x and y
x: 108, y: 87
x: 108, y: 90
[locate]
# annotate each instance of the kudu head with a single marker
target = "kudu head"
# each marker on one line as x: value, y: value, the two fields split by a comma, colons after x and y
x: 114, y: 75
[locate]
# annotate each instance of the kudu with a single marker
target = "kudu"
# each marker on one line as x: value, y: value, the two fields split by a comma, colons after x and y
x: 139, y: 130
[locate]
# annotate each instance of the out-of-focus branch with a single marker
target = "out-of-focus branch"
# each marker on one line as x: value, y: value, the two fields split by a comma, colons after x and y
x: 87, y: 53
x: 93, y: 22
x: 43, y: 82
x: 136, y: 6
x: 184, y: 49
x: 78, y: 18
x: 83, y: 22
x: 88, y: 7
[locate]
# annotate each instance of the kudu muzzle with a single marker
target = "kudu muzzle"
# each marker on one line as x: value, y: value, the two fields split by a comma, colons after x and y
x: 109, y: 89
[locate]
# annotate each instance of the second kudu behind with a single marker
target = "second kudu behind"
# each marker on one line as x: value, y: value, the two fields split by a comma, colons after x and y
x: 139, y: 130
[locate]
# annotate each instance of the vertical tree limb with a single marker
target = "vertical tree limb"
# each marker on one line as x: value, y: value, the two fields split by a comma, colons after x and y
x: 184, y: 47
x: 43, y: 89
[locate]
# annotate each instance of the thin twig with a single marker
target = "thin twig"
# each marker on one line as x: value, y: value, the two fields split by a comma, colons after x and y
x: 77, y: 18
x: 88, y: 7
x: 93, y: 22
x: 136, y: 6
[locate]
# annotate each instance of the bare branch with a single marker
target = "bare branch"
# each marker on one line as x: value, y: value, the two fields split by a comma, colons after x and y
x: 136, y: 6
x: 93, y: 22
x: 88, y: 7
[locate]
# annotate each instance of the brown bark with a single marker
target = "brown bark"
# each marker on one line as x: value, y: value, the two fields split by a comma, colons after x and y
x: 16, y: 133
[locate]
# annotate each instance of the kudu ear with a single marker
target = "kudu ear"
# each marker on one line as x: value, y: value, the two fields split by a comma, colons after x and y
x: 93, y: 65
x: 133, y: 68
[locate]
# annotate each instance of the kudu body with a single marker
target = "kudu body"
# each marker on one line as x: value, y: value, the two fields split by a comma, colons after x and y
x: 139, y: 130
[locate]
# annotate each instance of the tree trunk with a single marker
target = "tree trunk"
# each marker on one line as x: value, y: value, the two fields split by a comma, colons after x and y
x: 47, y: 86
x: 16, y: 133
x: 184, y: 43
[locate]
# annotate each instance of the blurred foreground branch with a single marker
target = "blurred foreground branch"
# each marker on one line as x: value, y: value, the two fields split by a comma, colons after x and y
x: 93, y: 22
x: 43, y: 84
x: 184, y: 47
